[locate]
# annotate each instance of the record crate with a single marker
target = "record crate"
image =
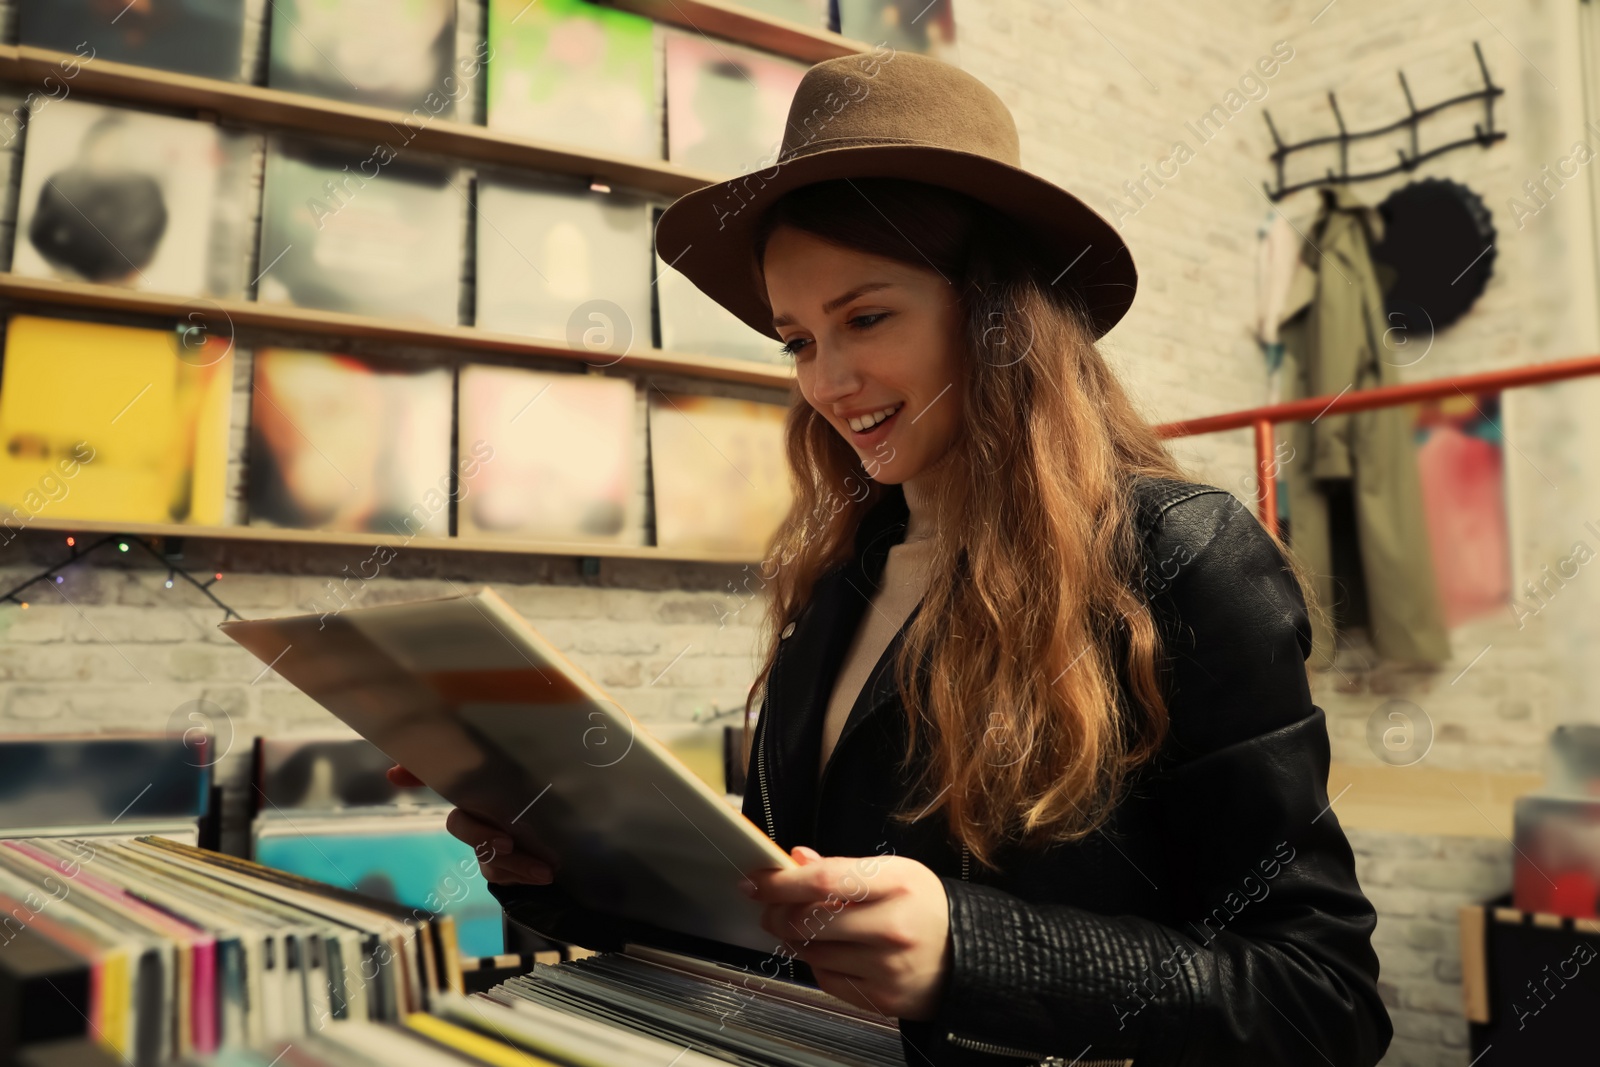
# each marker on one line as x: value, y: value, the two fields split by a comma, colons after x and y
x: 1530, y: 983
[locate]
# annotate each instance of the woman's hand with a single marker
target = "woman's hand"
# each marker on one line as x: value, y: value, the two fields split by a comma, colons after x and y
x: 875, y: 930
x: 497, y: 860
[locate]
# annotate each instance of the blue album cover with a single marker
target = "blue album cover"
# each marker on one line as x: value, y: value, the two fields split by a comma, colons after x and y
x: 418, y: 867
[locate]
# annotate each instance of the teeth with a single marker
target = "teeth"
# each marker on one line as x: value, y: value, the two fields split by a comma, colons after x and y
x: 866, y: 422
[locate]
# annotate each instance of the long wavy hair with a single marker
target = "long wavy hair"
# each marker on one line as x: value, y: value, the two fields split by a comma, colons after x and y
x: 1033, y: 616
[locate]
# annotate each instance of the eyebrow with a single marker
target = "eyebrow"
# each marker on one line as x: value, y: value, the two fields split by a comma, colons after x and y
x: 838, y: 301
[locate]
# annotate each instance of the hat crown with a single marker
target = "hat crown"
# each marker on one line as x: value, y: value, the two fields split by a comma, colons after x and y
x: 897, y: 99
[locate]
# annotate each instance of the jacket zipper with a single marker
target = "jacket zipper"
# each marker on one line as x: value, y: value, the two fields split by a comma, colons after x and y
x: 1042, y: 1060
x: 761, y: 772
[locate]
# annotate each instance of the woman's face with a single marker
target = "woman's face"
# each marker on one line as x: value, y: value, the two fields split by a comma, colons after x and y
x: 870, y: 335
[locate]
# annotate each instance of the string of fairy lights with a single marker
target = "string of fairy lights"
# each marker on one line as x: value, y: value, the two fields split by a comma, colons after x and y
x: 123, y: 543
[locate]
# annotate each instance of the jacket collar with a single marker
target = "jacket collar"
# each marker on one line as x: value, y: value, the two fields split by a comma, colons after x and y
x: 810, y: 659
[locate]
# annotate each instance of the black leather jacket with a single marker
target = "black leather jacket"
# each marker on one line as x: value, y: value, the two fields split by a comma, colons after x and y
x: 1215, y: 919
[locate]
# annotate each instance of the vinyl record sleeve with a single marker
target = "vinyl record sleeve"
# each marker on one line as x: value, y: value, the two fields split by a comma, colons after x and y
x: 477, y: 704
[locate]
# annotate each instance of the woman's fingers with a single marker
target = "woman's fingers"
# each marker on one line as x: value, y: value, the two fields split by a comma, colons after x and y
x: 516, y: 867
x: 403, y: 778
x: 497, y: 857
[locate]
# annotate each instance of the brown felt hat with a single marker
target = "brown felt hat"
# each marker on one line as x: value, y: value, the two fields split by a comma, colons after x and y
x: 897, y: 115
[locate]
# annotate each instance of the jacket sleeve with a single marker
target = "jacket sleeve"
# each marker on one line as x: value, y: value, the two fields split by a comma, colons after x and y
x: 1268, y: 959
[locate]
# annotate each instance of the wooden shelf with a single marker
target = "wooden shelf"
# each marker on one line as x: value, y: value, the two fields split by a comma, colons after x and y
x: 743, y: 26
x: 310, y: 114
x: 222, y: 316
x: 1427, y: 800
x: 277, y: 535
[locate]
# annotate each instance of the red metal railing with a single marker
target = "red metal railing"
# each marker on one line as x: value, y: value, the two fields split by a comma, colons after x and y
x: 1263, y: 419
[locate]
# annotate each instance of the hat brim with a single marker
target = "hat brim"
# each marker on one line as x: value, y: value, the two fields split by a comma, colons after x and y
x: 708, y: 234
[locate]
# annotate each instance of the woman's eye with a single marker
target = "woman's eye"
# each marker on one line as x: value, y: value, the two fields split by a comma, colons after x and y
x: 860, y: 322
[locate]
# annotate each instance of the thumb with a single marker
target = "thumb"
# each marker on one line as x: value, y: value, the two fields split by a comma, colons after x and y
x: 805, y: 854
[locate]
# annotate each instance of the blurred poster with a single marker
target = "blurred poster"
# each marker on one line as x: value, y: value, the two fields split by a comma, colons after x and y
x: 112, y: 423
x: 120, y: 197
x: 726, y: 104
x: 692, y: 322
x: 386, y: 53
x: 203, y: 37
x: 344, y: 444
x: 719, y: 472
x: 1557, y: 866
x: 566, y: 462
x: 927, y: 26
x: 1461, y: 464
x: 564, y: 263
x: 812, y: 14
x: 575, y: 73
x: 365, y: 234
x: 412, y: 860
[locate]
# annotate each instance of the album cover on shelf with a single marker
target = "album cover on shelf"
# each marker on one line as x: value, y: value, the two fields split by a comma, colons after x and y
x: 719, y: 470
x: 478, y: 704
x: 203, y: 37
x: 113, y: 423
x: 386, y: 53
x: 727, y: 104
x: 117, y: 196
x: 693, y: 323
x: 926, y: 26
x: 348, y: 444
x: 534, y: 484
x: 558, y: 261
x: 574, y: 73
x: 812, y: 14
x: 362, y: 231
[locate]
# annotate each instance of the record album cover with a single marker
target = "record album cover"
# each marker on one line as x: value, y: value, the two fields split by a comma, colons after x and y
x: 926, y: 26
x: 727, y: 105
x: 561, y: 262
x: 566, y: 456
x: 720, y: 475
x: 812, y: 14
x: 112, y: 423
x: 574, y: 73
x: 347, y: 444
x: 386, y: 53
x: 692, y: 322
x: 115, y: 196
x: 330, y: 774
x: 409, y: 859
x: 361, y: 231
x: 203, y: 37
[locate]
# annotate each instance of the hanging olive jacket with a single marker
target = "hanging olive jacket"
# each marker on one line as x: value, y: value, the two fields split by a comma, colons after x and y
x: 1339, y: 339
x: 1215, y: 919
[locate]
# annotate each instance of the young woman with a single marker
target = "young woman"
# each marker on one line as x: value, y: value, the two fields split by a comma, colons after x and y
x: 1035, y: 718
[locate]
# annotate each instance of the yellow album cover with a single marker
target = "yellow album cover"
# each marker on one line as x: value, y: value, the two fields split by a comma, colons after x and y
x: 112, y: 423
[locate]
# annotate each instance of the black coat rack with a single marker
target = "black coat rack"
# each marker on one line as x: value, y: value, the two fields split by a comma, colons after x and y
x: 1484, y: 134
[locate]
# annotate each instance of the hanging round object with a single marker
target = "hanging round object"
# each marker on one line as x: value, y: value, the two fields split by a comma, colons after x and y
x: 1438, y: 236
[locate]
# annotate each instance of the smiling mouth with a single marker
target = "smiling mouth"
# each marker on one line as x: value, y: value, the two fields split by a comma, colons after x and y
x: 868, y: 423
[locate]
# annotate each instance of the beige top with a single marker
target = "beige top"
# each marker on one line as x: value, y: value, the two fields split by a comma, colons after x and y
x: 905, y: 578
